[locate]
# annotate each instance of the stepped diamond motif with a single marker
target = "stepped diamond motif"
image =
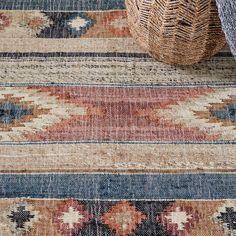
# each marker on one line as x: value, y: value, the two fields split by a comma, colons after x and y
x: 25, y: 111
x: 213, y: 113
x: 226, y: 218
x: 117, y: 24
x: 71, y: 216
x: 80, y: 24
x: 66, y: 25
x: 123, y: 218
x: 179, y: 219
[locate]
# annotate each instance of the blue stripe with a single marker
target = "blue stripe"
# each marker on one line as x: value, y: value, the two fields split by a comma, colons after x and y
x: 110, y: 186
x: 62, y: 5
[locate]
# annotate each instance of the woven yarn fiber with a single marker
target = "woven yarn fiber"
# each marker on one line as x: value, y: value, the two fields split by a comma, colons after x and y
x: 97, y: 138
x: 227, y: 12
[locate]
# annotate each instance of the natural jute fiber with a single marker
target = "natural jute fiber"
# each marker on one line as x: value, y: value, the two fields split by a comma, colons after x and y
x: 176, y: 32
x: 97, y: 138
x: 227, y: 11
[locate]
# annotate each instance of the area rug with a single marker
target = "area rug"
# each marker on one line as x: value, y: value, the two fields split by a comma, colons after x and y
x: 99, y: 139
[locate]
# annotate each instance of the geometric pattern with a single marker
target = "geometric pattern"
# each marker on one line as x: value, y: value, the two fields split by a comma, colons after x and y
x: 226, y: 217
x: 5, y: 21
x: 100, y: 113
x: 224, y: 111
x: 117, y: 24
x: 40, y: 24
x: 213, y: 113
x: 82, y: 116
x: 71, y: 217
x: 21, y: 217
x: 179, y: 219
x: 123, y: 218
x: 24, y: 110
x: 27, y: 24
x: 34, y: 23
x: 80, y: 24
x: 66, y: 25
x: 116, y: 218
x: 111, y: 24
x: 9, y: 112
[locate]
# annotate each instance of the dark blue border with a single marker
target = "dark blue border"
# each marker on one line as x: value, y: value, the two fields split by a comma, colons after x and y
x: 111, y: 186
x: 62, y: 5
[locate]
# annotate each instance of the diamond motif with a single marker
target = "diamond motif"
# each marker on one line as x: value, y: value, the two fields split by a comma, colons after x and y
x: 34, y: 22
x: 25, y: 111
x: 178, y: 219
x: 66, y: 25
x: 15, y: 113
x: 226, y: 218
x: 212, y: 113
x: 80, y: 24
x: 123, y: 218
x: 71, y: 216
x: 5, y: 21
x: 23, y: 216
x: 117, y: 24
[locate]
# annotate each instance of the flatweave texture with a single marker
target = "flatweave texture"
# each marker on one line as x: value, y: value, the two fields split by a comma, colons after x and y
x: 99, y: 139
x: 227, y: 11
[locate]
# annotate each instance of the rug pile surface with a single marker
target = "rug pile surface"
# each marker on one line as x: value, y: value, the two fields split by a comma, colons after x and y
x: 99, y: 139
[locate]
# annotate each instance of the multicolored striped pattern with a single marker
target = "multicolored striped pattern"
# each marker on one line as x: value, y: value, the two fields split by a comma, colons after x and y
x: 97, y: 138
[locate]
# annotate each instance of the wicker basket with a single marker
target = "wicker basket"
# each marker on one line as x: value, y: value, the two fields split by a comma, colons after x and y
x: 176, y: 31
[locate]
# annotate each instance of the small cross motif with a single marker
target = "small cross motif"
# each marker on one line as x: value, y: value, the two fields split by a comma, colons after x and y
x: 20, y: 217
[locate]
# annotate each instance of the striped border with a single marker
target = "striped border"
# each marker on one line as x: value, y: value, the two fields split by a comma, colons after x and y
x: 62, y: 5
x: 110, y: 186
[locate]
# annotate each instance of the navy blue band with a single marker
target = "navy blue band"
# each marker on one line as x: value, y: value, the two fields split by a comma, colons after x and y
x: 110, y: 186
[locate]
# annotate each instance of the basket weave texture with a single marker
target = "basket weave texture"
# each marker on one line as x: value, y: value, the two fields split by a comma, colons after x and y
x: 176, y: 31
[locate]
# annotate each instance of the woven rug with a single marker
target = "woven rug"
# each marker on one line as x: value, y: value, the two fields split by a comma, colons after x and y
x: 98, y: 139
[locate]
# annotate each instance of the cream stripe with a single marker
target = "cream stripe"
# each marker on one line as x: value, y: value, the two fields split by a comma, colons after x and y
x: 68, y: 45
x: 117, y: 157
x: 114, y: 70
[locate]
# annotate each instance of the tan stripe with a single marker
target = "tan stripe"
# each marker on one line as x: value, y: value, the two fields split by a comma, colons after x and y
x: 117, y: 157
x: 99, y: 70
x: 68, y: 45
